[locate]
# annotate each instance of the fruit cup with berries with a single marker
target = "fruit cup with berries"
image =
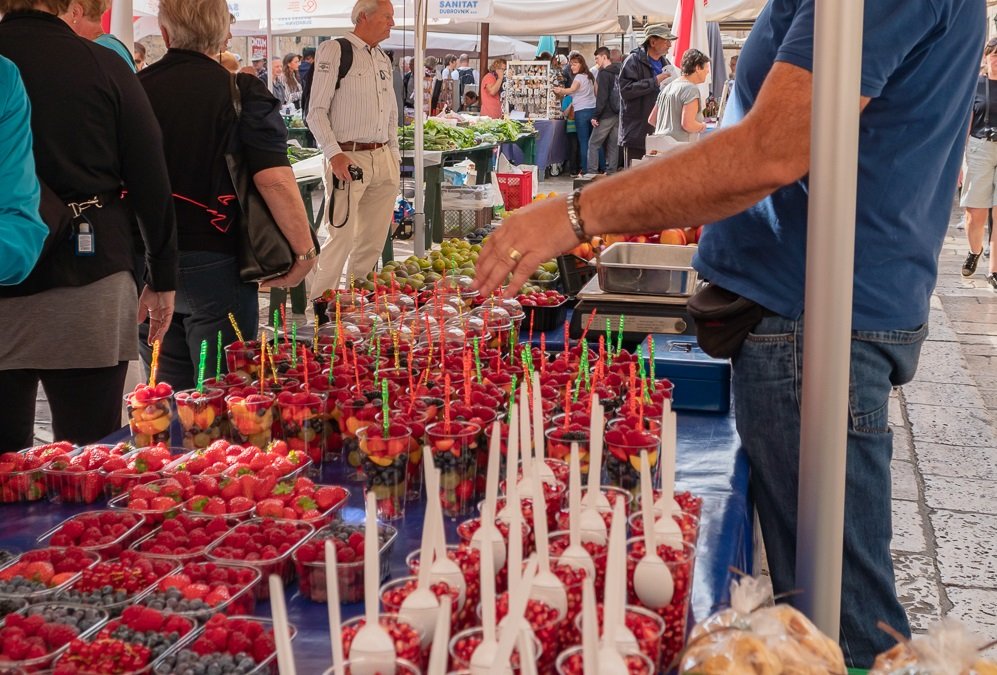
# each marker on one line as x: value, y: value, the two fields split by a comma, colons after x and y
x: 115, y: 584
x: 571, y: 661
x: 647, y: 628
x: 622, y: 458
x: 150, y: 413
x: 243, y: 358
x: 309, y: 559
x: 302, y: 424
x: 39, y: 574
x: 455, y: 453
x: 385, y: 457
x: 236, y: 645
x: 464, y: 643
x: 202, y: 590
x: 265, y: 544
x: 251, y: 418
x: 408, y: 640
x: 201, y: 415
x: 106, y: 533
x: 78, y: 480
x: 31, y: 639
x: 564, y: 430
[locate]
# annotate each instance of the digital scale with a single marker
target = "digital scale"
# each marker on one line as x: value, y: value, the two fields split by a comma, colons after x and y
x: 644, y: 314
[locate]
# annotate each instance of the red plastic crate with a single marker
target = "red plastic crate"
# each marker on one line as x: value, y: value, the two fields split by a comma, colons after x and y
x: 516, y: 188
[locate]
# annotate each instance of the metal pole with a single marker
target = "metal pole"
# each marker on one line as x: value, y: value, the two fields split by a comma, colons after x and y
x: 269, y: 47
x: 418, y: 66
x: 828, y: 308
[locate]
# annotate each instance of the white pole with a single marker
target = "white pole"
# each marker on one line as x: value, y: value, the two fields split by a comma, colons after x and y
x: 418, y: 66
x: 121, y: 22
x: 828, y: 308
x: 269, y: 46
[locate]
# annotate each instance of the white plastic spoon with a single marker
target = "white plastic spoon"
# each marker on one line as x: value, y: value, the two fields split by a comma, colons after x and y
x: 484, y: 653
x: 653, y: 582
x: 547, y: 588
x: 575, y: 555
x: 590, y: 628
x: 515, y: 556
x: 539, y: 445
x: 487, y: 531
x: 615, y: 631
x: 511, y: 460
x: 373, y: 650
x: 527, y: 657
x: 593, y: 527
x: 443, y: 568
x: 514, y: 619
x: 666, y: 503
x: 420, y: 606
x: 281, y: 626
x: 438, y: 657
x: 332, y: 599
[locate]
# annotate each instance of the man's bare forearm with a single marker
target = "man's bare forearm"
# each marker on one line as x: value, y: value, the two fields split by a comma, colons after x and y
x: 280, y: 191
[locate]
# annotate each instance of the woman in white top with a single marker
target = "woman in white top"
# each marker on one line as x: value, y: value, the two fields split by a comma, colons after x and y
x: 679, y: 111
x: 582, y: 92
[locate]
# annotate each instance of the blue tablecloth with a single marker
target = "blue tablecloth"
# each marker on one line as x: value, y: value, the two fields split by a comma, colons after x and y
x: 709, y: 464
x: 552, y: 145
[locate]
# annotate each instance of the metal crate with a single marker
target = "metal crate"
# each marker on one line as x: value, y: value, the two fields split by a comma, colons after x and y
x: 459, y: 224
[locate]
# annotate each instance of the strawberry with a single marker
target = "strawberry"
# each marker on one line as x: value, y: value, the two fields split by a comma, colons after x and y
x: 230, y: 488
x: 264, y: 487
x: 162, y: 503
x: 239, y: 505
x: 215, y: 507
x: 239, y: 642
x: 217, y: 596
x: 248, y: 484
x: 206, y: 486
x: 147, y: 620
x: 326, y: 497
x: 270, y: 508
x: 39, y: 571
x: 302, y: 504
x: 180, y: 581
x: 263, y: 647
x: 196, y: 591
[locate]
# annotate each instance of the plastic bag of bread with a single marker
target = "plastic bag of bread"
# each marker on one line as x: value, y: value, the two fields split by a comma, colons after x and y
x: 948, y: 648
x: 757, y: 637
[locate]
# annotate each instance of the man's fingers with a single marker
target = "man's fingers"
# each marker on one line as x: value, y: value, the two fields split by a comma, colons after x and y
x: 524, y: 268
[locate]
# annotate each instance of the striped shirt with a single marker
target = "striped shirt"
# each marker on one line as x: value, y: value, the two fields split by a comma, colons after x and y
x: 363, y: 109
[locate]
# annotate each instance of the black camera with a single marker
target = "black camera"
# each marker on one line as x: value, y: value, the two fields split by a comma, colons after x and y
x: 356, y: 173
x: 990, y: 134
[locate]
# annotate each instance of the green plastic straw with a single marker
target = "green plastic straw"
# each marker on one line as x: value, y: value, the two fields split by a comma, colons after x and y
x: 294, y: 347
x: 384, y: 407
x: 609, y: 338
x: 218, y: 358
x: 619, y: 336
x: 477, y: 359
x: 512, y: 399
x: 578, y: 387
x: 202, y: 365
x: 640, y: 361
x: 585, y: 365
x: 276, y: 329
x: 650, y: 358
x: 332, y: 357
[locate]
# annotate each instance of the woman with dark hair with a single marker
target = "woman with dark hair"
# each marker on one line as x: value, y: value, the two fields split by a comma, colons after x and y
x: 583, y: 100
x: 979, y: 197
x: 679, y: 110
x: 292, y: 83
x: 71, y: 325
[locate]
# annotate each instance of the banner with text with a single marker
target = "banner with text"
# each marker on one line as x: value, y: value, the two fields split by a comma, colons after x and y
x: 461, y: 10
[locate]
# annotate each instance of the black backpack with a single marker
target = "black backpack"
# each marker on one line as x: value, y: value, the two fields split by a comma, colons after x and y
x: 345, y: 63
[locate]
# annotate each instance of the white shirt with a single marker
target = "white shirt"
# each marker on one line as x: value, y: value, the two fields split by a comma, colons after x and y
x: 363, y: 109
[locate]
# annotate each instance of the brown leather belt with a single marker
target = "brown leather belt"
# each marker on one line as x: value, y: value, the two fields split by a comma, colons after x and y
x: 360, y: 147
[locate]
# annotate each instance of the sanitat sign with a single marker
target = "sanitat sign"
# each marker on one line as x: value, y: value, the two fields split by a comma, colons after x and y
x: 460, y: 10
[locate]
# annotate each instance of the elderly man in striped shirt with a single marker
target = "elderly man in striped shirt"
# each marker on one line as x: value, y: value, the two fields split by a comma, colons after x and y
x: 355, y: 120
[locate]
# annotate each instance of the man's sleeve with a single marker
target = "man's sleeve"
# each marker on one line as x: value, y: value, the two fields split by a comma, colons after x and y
x: 891, y: 31
x: 630, y: 86
x: 22, y: 232
x: 324, y: 74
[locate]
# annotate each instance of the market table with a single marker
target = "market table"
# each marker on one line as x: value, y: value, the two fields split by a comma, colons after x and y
x: 551, y: 146
x: 710, y: 464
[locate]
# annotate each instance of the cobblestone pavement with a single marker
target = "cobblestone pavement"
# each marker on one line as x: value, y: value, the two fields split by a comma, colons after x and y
x: 945, y: 451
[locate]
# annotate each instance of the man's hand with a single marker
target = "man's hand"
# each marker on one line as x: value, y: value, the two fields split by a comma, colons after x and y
x: 664, y: 76
x: 595, y: 122
x: 341, y: 167
x: 158, y: 308
x: 517, y: 239
x: 299, y: 270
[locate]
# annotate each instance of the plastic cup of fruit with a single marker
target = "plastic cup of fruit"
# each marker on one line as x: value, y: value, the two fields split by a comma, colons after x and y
x: 622, y: 457
x: 560, y: 439
x: 70, y: 485
x: 681, y: 563
x: 201, y: 415
x: 350, y: 574
x: 687, y: 501
x: 545, y: 622
x: 455, y: 447
x: 393, y: 593
x: 251, y: 418
x: 468, y: 559
x: 281, y: 565
x: 554, y: 496
x: 243, y: 359
x: 149, y: 418
x: 463, y: 644
x: 624, y: 420
x: 558, y: 542
x: 144, y: 545
x: 42, y: 592
x: 167, y: 662
x: 402, y: 667
x: 42, y: 663
x: 385, y: 465
x: 647, y: 627
x: 330, y: 416
x: 133, y: 524
x: 301, y: 422
x: 688, y: 525
x: 73, y: 593
x: 407, y: 639
x: 571, y: 662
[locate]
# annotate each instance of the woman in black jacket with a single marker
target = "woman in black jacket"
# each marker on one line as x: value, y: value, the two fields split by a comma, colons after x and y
x: 71, y: 325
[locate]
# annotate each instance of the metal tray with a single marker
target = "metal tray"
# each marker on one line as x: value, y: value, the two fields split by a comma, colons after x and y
x: 647, y: 269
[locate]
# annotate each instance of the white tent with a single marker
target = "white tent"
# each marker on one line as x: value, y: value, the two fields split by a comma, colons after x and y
x: 716, y: 10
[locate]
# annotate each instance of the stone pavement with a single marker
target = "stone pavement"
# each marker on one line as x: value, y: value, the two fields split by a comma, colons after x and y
x: 945, y: 455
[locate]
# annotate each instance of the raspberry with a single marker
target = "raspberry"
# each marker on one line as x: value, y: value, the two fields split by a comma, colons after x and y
x: 59, y: 635
x: 263, y: 647
x: 203, y: 646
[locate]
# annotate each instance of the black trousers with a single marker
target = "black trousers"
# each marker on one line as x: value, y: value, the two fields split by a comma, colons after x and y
x: 85, y: 404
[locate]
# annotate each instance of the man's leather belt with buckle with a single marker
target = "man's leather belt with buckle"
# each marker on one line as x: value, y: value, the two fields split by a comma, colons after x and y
x: 360, y: 147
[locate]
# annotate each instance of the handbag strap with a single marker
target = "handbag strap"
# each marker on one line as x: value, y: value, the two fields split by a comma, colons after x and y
x: 236, y: 97
x: 986, y: 114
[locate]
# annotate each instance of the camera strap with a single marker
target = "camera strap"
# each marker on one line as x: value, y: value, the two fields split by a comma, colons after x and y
x: 986, y: 108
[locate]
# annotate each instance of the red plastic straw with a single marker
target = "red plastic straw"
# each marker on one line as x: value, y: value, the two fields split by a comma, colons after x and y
x: 533, y: 315
x: 588, y: 325
x: 446, y: 402
x: 467, y: 378
x: 567, y: 405
x: 356, y: 371
x: 304, y: 365
x: 567, y: 343
x: 633, y: 388
x: 543, y: 354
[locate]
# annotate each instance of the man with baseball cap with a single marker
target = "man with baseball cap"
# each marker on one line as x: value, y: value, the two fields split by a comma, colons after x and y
x: 644, y: 72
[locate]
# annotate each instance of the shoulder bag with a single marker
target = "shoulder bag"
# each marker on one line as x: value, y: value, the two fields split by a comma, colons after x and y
x: 264, y: 252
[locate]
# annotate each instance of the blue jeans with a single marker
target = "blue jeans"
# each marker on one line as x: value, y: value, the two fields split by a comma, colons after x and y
x: 208, y: 288
x: 767, y: 388
x: 583, y: 124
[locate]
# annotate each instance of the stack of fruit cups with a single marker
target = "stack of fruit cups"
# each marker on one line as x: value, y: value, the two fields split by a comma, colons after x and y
x: 251, y: 418
x: 385, y: 457
x: 201, y: 415
x: 150, y: 413
x: 455, y: 447
x: 301, y: 417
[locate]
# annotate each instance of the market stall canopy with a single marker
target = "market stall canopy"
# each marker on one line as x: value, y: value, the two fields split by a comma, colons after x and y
x: 439, y: 44
x: 716, y: 10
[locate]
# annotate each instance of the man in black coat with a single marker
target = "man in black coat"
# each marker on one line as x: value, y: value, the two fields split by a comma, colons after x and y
x: 644, y: 72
